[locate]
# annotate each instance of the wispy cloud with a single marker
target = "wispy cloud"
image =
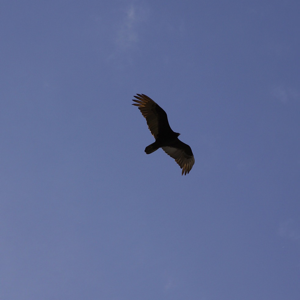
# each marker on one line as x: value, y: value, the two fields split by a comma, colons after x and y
x: 127, y: 34
x: 168, y: 284
x: 285, y: 94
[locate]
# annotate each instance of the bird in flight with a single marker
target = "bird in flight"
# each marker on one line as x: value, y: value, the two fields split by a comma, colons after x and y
x: 165, y: 137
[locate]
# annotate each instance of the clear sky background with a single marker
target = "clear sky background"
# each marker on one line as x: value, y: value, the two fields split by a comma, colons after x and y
x: 86, y: 214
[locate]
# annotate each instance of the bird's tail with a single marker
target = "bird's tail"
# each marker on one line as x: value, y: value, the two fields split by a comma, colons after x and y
x: 151, y: 148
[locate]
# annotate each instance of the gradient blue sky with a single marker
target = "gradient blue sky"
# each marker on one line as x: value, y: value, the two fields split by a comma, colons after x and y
x: 86, y: 214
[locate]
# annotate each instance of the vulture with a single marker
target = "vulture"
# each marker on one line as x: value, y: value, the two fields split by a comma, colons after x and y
x: 165, y: 137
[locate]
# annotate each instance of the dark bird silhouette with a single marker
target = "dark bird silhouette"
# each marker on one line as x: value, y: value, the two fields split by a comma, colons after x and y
x: 165, y: 137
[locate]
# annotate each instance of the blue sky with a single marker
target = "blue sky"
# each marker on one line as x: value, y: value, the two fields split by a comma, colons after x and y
x: 86, y: 214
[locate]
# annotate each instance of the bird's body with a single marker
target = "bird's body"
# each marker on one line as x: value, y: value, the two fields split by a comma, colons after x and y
x: 165, y: 137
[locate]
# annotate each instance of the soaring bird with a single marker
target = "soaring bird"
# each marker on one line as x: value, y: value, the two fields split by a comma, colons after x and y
x: 165, y: 137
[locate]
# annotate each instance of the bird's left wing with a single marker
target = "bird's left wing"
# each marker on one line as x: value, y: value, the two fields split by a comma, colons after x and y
x: 183, y: 155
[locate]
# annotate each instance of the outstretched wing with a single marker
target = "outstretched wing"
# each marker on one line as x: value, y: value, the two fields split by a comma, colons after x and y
x: 183, y: 155
x: 156, y: 117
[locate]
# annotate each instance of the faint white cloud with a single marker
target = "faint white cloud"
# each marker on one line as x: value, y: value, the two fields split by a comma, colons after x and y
x: 127, y: 34
x: 168, y: 281
x: 168, y: 284
x: 290, y: 229
x: 285, y: 94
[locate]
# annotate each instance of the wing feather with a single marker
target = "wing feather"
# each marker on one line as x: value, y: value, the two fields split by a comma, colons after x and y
x: 183, y: 155
x: 155, y: 116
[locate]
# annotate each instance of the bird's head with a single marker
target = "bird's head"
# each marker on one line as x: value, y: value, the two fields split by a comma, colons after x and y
x: 177, y: 134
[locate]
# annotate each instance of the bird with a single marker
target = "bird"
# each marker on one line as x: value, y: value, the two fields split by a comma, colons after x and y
x: 165, y: 137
